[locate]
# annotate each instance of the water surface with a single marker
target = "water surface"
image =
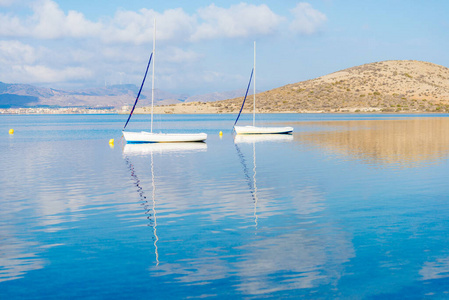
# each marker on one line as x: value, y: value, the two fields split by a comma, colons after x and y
x: 349, y: 206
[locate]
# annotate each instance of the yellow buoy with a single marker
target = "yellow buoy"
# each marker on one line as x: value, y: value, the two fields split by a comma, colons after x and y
x: 111, y: 141
x: 11, y: 131
x: 221, y: 133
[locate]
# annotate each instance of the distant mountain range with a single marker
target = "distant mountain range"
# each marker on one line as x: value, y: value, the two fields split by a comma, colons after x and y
x: 25, y: 95
x: 217, y: 96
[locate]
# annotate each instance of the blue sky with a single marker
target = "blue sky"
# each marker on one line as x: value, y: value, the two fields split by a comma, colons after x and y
x: 205, y: 46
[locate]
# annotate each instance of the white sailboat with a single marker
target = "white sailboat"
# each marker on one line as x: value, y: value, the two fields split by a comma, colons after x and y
x: 151, y: 137
x: 257, y: 129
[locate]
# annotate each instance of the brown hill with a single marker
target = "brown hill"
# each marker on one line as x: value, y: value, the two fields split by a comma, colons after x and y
x: 388, y: 86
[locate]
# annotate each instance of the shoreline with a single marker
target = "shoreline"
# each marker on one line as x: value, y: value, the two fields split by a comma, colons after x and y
x: 162, y: 111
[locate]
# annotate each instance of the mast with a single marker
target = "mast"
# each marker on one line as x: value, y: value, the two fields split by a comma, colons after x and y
x: 254, y: 94
x: 152, y: 80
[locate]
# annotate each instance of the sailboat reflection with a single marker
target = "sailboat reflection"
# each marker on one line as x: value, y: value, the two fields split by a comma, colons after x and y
x: 147, y: 150
x: 253, y: 139
x: 263, y: 138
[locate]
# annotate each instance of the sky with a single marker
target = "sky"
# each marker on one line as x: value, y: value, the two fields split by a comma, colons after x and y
x: 207, y: 46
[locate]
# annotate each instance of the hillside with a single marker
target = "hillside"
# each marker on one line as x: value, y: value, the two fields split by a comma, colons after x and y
x: 388, y: 86
x: 381, y: 86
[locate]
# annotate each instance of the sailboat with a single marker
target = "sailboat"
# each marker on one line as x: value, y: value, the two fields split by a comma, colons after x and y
x: 256, y: 129
x: 151, y: 137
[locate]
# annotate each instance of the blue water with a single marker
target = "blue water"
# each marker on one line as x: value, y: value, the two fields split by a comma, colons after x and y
x: 348, y: 207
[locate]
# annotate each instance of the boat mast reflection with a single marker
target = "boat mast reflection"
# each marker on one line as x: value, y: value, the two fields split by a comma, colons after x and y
x: 146, y: 150
x: 252, y: 184
x: 253, y: 139
x: 156, y: 238
x: 149, y: 211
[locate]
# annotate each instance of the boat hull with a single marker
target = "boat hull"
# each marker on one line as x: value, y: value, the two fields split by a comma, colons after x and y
x: 262, y: 130
x: 148, y: 137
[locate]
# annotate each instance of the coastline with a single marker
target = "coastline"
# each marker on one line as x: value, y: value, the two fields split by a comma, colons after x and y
x: 56, y: 111
x: 201, y: 109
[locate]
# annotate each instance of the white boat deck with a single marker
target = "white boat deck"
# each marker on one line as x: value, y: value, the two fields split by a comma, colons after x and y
x: 262, y: 130
x: 148, y: 137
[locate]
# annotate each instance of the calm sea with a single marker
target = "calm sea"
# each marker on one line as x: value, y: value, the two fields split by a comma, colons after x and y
x: 348, y: 207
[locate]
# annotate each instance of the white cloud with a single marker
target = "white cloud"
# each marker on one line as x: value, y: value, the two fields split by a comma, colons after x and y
x: 66, y: 46
x: 137, y: 27
x: 129, y: 27
x: 240, y: 20
x: 307, y: 19
x: 11, y: 26
x: 44, y: 74
x: 50, y: 22
x: 15, y: 52
x: 27, y: 64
